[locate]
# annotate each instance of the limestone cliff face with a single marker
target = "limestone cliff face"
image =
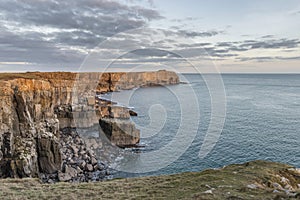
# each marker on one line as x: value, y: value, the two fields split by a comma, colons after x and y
x: 119, y: 81
x: 116, y: 125
x: 31, y: 115
x: 29, y: 129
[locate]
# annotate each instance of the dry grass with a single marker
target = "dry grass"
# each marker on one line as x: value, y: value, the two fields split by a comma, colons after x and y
x: 10, y: 76
x: 228, y: 183
x: 39, y: 75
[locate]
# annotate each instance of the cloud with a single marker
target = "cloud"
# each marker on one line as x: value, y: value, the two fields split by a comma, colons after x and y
x: 233, y: 49
x: 295, y: 12
x: 271, y: 44
x: 31, y: 48
x: 186, y: 19
x: 102, y: 17
x: 61, y: 33
x: 267, y: 36
x: 178, y: 30
x: 268, y: 58
x: 198, y: 44
x: 38, y: 31
x: 199, y: 33
x: 247, y: 45
x: 154, y: 53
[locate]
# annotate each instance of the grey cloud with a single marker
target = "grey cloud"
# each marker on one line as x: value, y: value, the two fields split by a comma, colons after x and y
x: 289, y: 58
x: 267, y: 36
x: 224, y: 44
x: 191, y: 52
x: 177, y: 30
x: 78, y: 24
x: 232, y: 49
x: 151, y: 60
x: 238, y: 49
x: 203, y: 44
x: 31, y: 48
x: 268, y: 58
x: 77, y: 38
x: 200, y: 34
x: 203, y: 52
x: 220, y: 53
x: 63, y: 31
x: 259, y: 59
x: 98, y: 16
x: 175, y: 27
x: 247, y: 45
x: 271, y: 44
x: 184, y: 19
x: 154, y: 53
x: 221, y: 50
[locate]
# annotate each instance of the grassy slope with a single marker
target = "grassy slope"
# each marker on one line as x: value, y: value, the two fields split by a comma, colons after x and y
x: 228, y: 183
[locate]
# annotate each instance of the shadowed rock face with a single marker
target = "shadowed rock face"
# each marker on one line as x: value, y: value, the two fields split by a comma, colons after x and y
x: 49, y: 157
x: 26, y: 120
x: 30, y: 119
x: 116, y: 125
x: 120, y: 132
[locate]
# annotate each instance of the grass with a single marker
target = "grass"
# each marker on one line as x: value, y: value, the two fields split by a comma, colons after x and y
x: 10, y: 76
x: 38, y: 75
x: 228, y: 183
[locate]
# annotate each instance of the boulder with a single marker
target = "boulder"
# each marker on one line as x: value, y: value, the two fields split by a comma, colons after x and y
x: 89, y: 167
x: 120, y: 132
x: 133, y: 113
x: 49, y: 157
x: 63, y: 177
x: 94, y: 161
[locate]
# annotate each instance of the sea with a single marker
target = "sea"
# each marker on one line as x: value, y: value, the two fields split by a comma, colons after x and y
x: 261, y: 122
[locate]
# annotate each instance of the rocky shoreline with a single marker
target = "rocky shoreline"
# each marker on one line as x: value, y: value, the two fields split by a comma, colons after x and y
x: 79, y: 161
x: 40, y: 113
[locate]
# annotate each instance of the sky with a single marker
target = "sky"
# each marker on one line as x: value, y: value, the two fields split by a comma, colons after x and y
x: 232, y: 36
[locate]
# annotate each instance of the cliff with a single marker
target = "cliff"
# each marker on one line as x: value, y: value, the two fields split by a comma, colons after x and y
x: 36, y: 106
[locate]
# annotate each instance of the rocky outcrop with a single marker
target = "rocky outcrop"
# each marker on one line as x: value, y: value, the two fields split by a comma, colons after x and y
x: 49, y: 155
x: 81, y: 116
x: 29, y: 129
x: 123, y: 81
x: 120, y: 132
x: 35, y: 106
x: 80, y: 163
x: 116, y: 125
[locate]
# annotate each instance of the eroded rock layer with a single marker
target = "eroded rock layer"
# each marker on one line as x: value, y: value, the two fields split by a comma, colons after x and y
x: 35, y: 106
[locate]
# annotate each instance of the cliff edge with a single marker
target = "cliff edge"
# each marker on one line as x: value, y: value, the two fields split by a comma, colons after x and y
x: 256, y: 180
x: 33, y: 114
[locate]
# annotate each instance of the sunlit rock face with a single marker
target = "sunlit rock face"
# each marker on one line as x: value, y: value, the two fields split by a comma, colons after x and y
x: 35, y: 107
x: 27, y: 122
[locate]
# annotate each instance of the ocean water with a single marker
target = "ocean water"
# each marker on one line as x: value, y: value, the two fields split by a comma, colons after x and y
x: 262, y: 122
